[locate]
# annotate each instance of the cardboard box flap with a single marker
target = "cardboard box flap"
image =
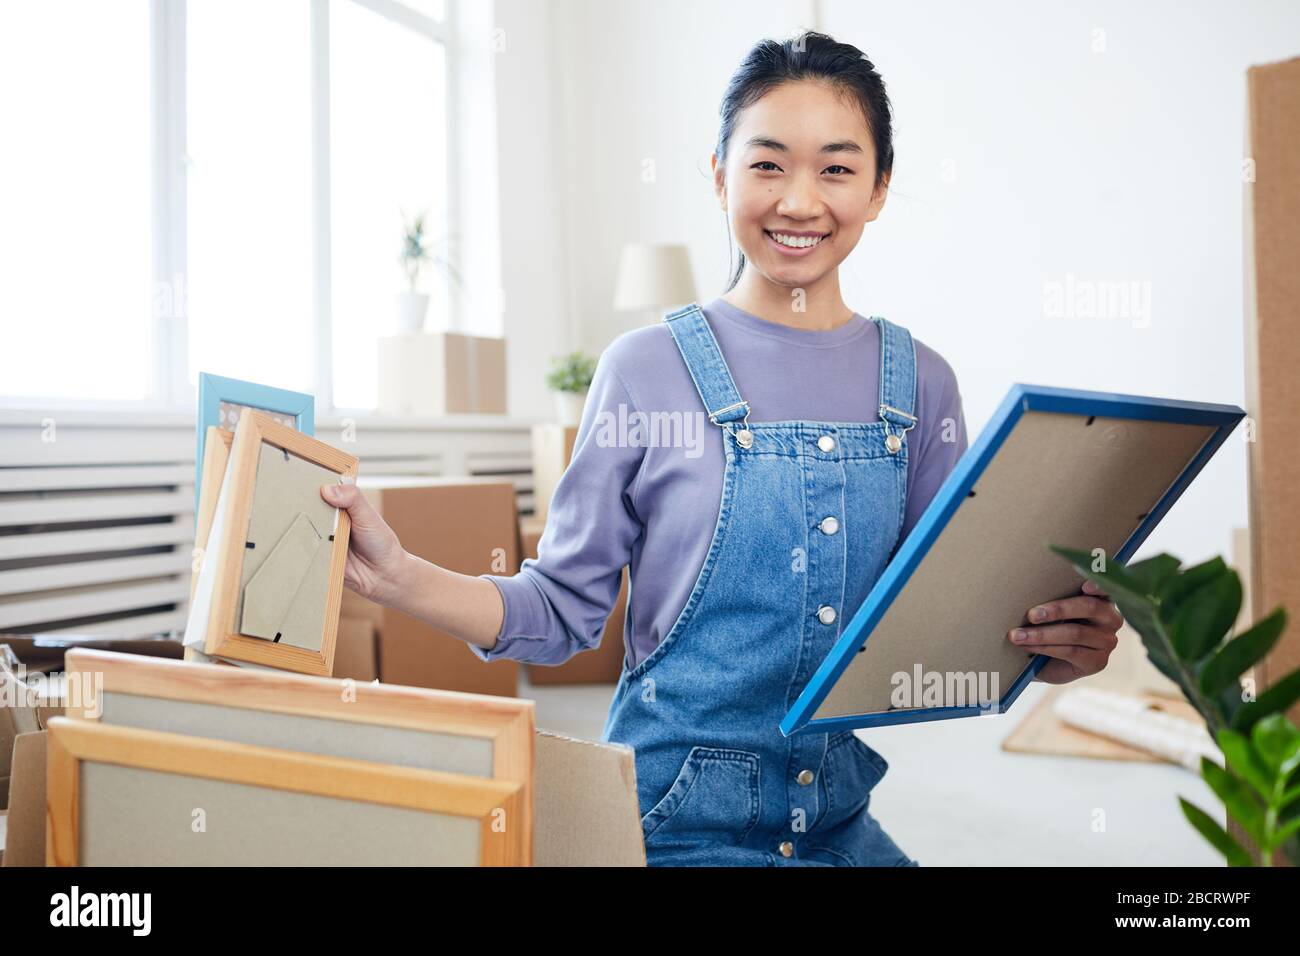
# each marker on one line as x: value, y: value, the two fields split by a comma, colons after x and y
x: 25, y: 835
x: 586, y: 812
x: 19, y: 713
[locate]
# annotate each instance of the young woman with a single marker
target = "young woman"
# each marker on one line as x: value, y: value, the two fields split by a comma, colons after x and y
x: 783, y: 446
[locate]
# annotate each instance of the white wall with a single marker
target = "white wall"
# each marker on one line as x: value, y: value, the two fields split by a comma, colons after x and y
x: 537, y: 317
x: 1122, y: 164
x: 1030, y: 148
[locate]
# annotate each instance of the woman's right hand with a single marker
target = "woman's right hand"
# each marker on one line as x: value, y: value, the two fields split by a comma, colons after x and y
x: 375, y: 555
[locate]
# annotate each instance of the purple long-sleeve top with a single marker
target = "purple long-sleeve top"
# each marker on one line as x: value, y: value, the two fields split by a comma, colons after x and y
x: 651, y: 499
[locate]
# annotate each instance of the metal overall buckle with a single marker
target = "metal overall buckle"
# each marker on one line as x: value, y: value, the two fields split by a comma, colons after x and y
x: 895, y: 442
x: 744, y: 437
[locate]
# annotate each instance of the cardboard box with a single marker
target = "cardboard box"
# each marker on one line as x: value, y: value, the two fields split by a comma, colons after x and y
x: 355, y: 653
x: 442, y: 373
x: 587, y: 813
x: 24, y: 839
x: 552, y: 452
x: 468, y: 525
x: 355, y: 607
x: 19, y: 714
x: 600, y: 666
x: 1272, y: 286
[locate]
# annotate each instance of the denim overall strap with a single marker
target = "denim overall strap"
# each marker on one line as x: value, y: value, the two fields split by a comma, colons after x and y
x: 897, y: 377
x: 708, y: 370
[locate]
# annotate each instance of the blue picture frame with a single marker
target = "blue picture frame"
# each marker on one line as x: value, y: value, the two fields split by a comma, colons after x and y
x: 215, y: 389
x: 955, y: 489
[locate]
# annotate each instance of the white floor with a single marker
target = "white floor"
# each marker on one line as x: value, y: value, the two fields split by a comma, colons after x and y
x: 953, y: 797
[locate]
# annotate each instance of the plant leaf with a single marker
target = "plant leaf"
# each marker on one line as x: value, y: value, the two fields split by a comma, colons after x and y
x: 1115, y: 581
x: 1247, y: 764
x: 1205, y: 616
x: 1277, y: 742
x: 1153, y: 572
x: 1275, y: 700
x: 1242, y: 652
x: 1176, y: 589
x: 1141, y: 610
x: 1229, y: 701
x: 1288, y: 807
x: 1219, y: 838
x: 1242, y: 804
x: 1284, y: 833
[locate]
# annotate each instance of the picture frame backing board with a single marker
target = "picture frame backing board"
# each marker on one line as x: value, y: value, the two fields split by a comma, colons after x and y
x: 121, y: 796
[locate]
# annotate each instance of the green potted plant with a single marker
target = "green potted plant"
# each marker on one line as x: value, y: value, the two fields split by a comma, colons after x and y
x: 569, y: 379
x: 418, y: 253
x: 1184, y: 617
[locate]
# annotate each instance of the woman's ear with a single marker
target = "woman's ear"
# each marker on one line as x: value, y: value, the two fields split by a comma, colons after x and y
x: 719, y: 181
x: 878, y: 197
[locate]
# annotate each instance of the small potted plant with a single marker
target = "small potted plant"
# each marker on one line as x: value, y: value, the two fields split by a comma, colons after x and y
x: 569, y: 378
x: 418, y: 252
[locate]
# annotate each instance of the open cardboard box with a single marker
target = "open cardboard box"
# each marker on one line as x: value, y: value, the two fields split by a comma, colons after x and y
x: 468, y: 525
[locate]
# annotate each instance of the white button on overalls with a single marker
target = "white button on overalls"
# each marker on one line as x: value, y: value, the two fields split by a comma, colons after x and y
x: 826, y: 443
x: 830, y: 524
x: 787, y: 849
x: 826, y: 614
x: 805, y: 777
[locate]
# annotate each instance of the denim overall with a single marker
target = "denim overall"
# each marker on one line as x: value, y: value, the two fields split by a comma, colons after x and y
x: 810, y: 513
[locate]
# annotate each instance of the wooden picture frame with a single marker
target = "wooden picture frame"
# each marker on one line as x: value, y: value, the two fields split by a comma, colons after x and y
x: 216, y: 390
x: 216, y: 456
x: 218, y: 604
x: 449, y: 731
x: 121, y: 796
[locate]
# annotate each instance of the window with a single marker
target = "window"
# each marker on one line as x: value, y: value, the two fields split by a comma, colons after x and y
x: 388, y: 160
x: 75, y: 229
x: 198, y: 174
x: 249, y: 161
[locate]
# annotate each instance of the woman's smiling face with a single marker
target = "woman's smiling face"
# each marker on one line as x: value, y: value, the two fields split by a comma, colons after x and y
x: 799, y: 181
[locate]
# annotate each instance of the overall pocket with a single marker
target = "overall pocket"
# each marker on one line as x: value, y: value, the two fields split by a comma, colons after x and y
x: 847, y: 834
x: 714, y: 799
x: 850, y: 772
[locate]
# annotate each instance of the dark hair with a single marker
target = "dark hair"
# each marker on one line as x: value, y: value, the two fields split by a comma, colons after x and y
x: 809, y: 55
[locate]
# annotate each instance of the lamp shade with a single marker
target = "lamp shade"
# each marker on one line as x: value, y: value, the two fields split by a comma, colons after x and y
x: 651, y: 276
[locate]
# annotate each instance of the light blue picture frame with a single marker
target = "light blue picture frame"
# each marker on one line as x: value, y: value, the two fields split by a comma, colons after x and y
x: 950, y: 496
x: 215, y: 389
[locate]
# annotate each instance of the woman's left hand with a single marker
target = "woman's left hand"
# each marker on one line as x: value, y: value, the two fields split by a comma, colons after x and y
x: 1078, y: 632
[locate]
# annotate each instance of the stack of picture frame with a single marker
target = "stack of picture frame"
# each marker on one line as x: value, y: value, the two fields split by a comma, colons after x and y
x: 269, y: 551
x: 222, y: 399
x: 164, y: 762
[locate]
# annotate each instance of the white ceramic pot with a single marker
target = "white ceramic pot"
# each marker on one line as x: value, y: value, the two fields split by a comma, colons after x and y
x: 412, y: 307
x: 568, y: 407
